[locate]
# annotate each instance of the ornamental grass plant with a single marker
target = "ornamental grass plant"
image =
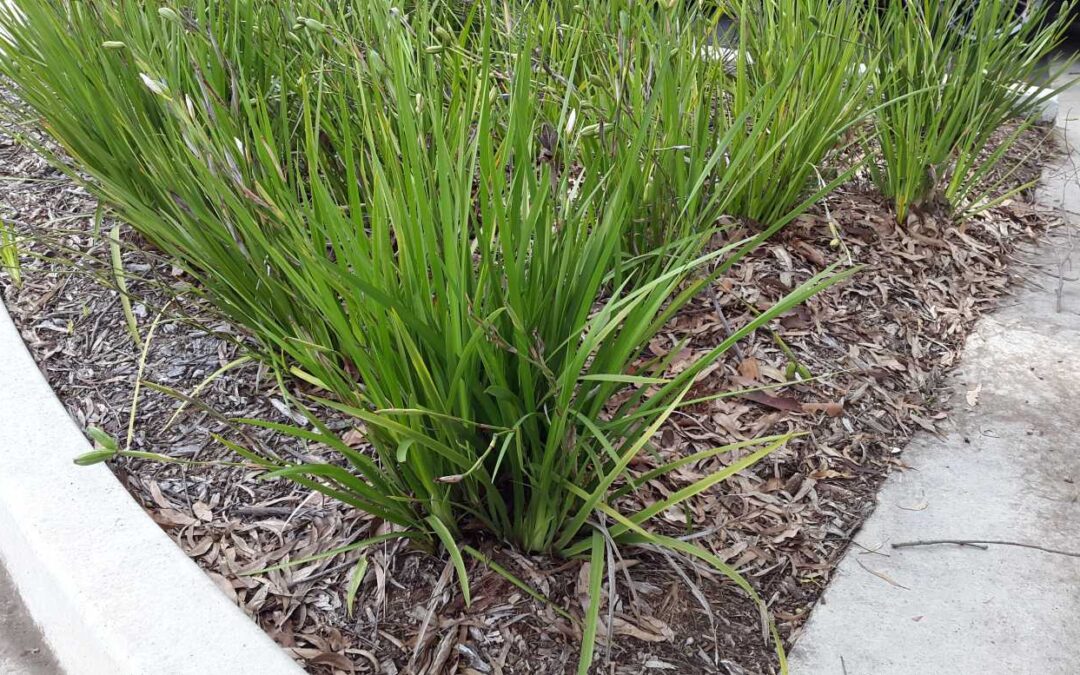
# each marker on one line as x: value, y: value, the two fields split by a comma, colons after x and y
x: 821, y: 54
x: 952, y: 73
x: 460, y: 224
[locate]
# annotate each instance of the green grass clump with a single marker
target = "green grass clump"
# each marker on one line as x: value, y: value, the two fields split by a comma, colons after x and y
x: 816, y: 53
x: 948, y: 80
x: 9, y: 253
x: 461, y: 224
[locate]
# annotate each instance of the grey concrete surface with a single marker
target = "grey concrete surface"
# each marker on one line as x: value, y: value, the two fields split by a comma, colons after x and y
x: 22, y: 647
x: 1060, y: 188
x: 1009, y: 469
x: 110, y: 591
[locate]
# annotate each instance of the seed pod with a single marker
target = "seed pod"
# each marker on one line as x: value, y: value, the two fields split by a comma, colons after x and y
x: 434, y: 49
x: 591, y: 130
x: 375, y: 62
x: 293, y: 37
x: 312, y: 24
x: 443, y: 35
x: 113, y: 44
x: 95, y: 457
x: 156, y: 86
x: 169, y: 13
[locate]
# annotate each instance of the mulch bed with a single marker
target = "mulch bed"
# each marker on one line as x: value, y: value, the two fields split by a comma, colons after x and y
x: 877, y: 346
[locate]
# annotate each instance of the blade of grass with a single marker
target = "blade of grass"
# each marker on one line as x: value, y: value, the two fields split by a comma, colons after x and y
x: 592, y: 613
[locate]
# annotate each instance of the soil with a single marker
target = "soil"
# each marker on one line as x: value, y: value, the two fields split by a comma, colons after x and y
x: 860, y: 367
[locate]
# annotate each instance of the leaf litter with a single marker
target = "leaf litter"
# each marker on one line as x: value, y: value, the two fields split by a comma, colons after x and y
x: 861, y: 367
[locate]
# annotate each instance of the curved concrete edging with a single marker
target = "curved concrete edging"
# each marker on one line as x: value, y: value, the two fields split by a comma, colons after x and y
x: 111, y: 592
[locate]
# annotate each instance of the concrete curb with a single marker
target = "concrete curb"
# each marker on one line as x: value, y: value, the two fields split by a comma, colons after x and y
x: 109, y: 589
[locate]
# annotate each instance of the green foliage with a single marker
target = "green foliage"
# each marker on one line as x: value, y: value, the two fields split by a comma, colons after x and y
x: 9, y: 253
x: 948, y: 81
x: 440, y: 232
x: 461, y: 224
x: 817, y: 55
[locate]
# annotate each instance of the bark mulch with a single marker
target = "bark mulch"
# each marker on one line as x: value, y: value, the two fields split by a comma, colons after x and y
x: 860, y: 368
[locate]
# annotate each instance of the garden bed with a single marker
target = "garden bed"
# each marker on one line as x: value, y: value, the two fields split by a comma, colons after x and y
x: 878, y: 347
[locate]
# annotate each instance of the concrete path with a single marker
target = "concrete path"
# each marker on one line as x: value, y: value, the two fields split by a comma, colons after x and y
x: 1008, y: 470
x: 22, y: 649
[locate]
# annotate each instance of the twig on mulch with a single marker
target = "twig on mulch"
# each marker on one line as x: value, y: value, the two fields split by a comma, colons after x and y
x: 982, y: 543
x: 725, y: 323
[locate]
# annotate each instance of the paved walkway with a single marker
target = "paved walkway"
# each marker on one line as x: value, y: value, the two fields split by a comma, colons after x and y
x: 1008, y: 470
x: 22, y: 651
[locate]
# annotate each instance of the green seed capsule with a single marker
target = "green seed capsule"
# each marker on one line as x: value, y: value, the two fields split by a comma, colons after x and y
x: 434, y: 49
x: 113, y: 44
x: 375, y: 61
x: 443, y: 34
x: 312, y: 24
x: 168, y: 13
x: 591, y: 130
x: 95, y: 457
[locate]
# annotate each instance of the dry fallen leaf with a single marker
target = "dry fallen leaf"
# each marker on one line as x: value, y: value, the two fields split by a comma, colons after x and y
x: 339, y: 661
x: 750, y: 369
x: 810, y: 253
x: 825, y: 474
x: 354, y: 438
x: 830, y: 408
x: 202, y: 511
x: 916, y: 506
x: 158, y: 497
x: 973, y: 395
x: 648, y: 629
x: 171, y: 518
x: 222, y: 583
x: 884, y: 577
x: 657, y: 664
x: 776, y: 402
x: 320, y: 657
